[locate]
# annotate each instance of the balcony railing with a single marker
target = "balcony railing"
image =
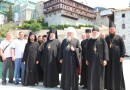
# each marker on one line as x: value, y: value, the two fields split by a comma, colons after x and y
x: 71, y: 5
x: 69, y: 15
x: 78, y: 13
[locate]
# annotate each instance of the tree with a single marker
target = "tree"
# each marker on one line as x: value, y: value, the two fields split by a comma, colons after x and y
x: 36, y: 26
x: 10, y: 14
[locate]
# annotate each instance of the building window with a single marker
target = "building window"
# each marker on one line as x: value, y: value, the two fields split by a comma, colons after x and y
x: 123, y: 26
x: 123, y: 15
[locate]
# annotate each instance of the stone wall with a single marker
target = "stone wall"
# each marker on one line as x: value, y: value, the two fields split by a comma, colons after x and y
x: 61, y: 33
x: 56, y: 19
x: 125, y: 33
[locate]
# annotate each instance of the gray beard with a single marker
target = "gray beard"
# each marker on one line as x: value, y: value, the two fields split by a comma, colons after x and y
x: 95, y: 37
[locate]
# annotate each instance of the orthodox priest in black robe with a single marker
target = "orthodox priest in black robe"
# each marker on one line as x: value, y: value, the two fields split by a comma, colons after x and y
x: 39, y: 66
x: 114, y: 69
x: 84, y: 66
x: 70, y: 61
x: 96, y: 59
x: 40, y: 58
x: 30, y: 60
x: 51, y: 59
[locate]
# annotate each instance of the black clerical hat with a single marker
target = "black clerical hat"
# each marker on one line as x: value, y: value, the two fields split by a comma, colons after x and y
x: 52, y: 30
x: 95, y: 29
x: 32, y: 33
x: 88, y: 31
x: 112, y: 25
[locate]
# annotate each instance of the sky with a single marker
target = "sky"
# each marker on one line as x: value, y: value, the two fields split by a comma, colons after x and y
x: 118, y: 4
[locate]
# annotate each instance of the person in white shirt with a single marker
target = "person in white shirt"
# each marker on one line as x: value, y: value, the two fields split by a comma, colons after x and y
x: 8, y: 63
x: 17, y: 50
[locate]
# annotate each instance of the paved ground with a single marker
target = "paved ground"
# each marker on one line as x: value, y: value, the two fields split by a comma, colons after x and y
x: 126, y: 66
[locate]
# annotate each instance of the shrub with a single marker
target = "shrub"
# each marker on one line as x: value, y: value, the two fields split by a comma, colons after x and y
x: 36, y: 26
x: 7, y: 27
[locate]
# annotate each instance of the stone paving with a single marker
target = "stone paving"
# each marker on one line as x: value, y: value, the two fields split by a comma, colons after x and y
x: 8, y: 86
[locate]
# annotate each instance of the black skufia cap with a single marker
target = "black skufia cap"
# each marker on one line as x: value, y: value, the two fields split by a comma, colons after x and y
x: 95, y: 29
x: 112, y: 25
x: 88, y: 31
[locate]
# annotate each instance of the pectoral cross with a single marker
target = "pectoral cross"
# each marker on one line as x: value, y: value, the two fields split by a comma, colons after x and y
x: 95, y: 49
x: 110, y: 45
x: 49, y: 46
x: 68, y: 46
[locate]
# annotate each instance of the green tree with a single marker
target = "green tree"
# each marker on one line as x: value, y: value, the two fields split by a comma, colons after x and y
x: 10, y: 14
x: 36, y: 26
x: 7, y: 27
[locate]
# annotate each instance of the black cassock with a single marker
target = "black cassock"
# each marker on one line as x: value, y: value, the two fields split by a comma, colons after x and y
x: 30, y: 58
x: 40, y: 66
x: 97, y: 51
x: 69, y: 78
x: 84, y: 66
x: 51, y: 63
x: 114, y: 70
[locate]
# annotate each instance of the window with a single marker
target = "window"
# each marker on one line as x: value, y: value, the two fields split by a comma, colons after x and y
x: 123, y: 26
x: 123, y: 15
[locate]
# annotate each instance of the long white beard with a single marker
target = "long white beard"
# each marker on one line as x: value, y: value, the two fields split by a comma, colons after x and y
x: 69, y: 39
x: 95, y: 36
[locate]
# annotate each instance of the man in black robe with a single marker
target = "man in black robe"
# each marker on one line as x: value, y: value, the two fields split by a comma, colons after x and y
x: 39, y: 67
x: 50, y: 59
x: 114, y: 69
x: 84, y: 66
x: 42, y: 41
x: 69, y: 60
x: 96, y: 59
x: 30, y: 60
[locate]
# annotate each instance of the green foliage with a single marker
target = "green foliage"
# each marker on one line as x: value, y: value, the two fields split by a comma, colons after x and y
x: 45, y: 26
x: 40, y: 20
x: 7, y: 27
x: 66, y: 26
x: 36, y: 26
x: 25, y: 26
x: 10, y: 14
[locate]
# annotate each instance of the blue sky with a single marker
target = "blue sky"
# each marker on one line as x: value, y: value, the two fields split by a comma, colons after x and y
x: 119, y: 4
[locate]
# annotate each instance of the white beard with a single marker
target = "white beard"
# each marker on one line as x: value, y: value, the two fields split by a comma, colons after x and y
x: 69, y: 39
x: 95, y: 36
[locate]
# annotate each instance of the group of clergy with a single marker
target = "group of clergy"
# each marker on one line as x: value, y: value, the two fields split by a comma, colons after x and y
x: 101, y: 58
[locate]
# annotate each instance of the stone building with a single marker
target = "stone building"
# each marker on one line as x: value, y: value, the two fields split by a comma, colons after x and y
x: 59, y: 12
x: 39, y: 10
x: 121, y: 18
x: 122, y: 21
x: 2, y: 18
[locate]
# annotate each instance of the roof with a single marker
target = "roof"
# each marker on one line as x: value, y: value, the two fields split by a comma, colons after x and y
x: 74, y: 2
x: 120, y: 10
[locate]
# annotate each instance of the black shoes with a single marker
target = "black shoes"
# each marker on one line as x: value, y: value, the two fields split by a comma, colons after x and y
x: 12, y: 82
x: 3, y: 83
x: 84, y: 87
x: 16, y: 83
